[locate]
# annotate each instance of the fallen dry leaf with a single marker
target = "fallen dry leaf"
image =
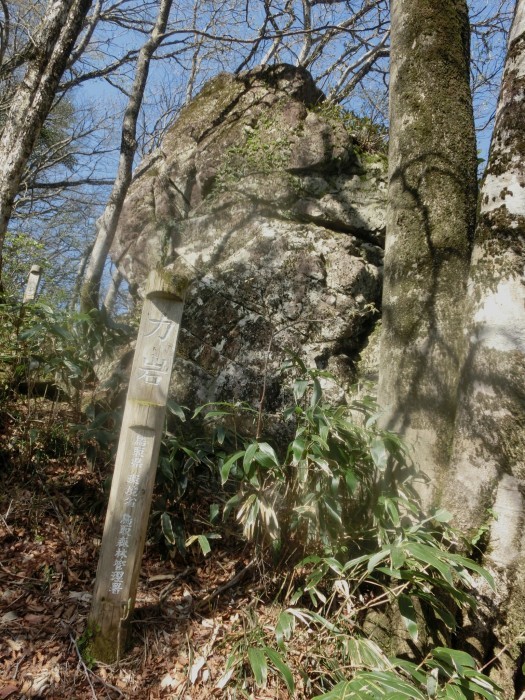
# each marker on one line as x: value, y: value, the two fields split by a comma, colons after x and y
x: 196, y: 668
x: 172, y: 680
x: 34, y: 619
x: 224, y: 679
x: 34, y: 687
x: 10, y: 616
x: 15, y: 644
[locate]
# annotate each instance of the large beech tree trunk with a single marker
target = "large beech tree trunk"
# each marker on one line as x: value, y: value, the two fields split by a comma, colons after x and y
x: 430, y: 224
x: 34, y: 97
x: 107, y: 223
x: 488, y: 462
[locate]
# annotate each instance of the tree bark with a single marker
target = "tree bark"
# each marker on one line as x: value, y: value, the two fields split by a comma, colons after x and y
x: 34, y: 96
x: 430, y: 225
x: 107, y: 223
x: 488, y: 461
x: 112, y: 292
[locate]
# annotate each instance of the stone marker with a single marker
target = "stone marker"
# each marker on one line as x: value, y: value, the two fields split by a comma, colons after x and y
x: 135, y: 466
x: 32, y: 283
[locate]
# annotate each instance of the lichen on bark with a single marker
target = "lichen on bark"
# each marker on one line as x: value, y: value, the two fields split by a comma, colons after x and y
x: 488, y: 459
x: 430, y: 223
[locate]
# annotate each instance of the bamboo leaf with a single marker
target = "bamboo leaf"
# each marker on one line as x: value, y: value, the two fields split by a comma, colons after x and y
x: 221, y: 434
x: 432, y: 683
x: 379, y: 453
x: 227, y: 466
x: 429, y: 555
x: 284, y: 627
x: 259, y: 666
x: 472, y: 566
x: 316, y: 393
x: 442, y: 516
x: 298, y: 448
x: 176, y: 409
x: 204, y: 544
x: 299, y: 388
x: 455, y: 658
x: 277, y: 661
x: 398, y: 557
x: 268, y: 450
x: 374, y: 560
x: 412, y: 669
x: 167, y: 528
x: 249, y: 455
x: 408, y: 613
x: 366, y: 653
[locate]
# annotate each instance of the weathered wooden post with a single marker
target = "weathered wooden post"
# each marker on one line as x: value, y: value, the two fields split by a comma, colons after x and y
x: 32, y: 283
x: 135, y: 465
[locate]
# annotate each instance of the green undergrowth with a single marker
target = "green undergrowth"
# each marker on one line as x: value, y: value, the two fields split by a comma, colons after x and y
x: 335, y: 517
x: 47, y: 379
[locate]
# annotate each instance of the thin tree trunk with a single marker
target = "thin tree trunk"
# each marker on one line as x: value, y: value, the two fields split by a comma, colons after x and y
x: 107, y: 223
x: 488, y: 461
x: 34, y: 96
x: 430, y: 225
x: 75, y: 296
x: 111, y: 294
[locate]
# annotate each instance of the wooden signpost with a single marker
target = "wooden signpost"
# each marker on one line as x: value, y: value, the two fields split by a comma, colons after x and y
x: 135, y: 466
x: 32, y: 283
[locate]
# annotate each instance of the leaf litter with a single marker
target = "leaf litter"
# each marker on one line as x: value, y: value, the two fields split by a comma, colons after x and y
x: 186, y: 616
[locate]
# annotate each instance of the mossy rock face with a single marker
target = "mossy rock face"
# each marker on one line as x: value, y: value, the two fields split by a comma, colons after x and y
x: 261, y: 188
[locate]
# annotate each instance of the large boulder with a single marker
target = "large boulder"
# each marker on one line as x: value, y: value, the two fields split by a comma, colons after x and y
x: 260, y: 187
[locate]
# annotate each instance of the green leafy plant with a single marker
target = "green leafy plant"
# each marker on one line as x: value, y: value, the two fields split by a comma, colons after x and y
x: 444, y: 673
x: 188, y: 467
x: 339, y: 502
x: 50, y: 353
x: 255, y: 653
x: 43, y: 343
x: 331, y: 488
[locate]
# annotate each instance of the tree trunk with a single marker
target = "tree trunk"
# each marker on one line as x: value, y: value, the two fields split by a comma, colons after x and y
x: 34, y: 96
x: 112, y: 292
x: 430, y: 225
x: 488, y: 462
x: 107, y: 223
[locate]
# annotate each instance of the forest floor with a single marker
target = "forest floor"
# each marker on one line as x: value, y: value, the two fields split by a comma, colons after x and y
x: 188, y: 617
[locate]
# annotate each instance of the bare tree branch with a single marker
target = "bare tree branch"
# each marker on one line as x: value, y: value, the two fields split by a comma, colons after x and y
x: 34, y: 97
x: 107, y: 223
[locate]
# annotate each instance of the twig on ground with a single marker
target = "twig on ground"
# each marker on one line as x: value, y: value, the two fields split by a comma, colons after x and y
x: 203, y: 602
x: 25, y: 578
x: 88, y: 672
x: 17, y: 665
x: 84, y: 667
x: 163, y: 595
x: 4, y: 517
x: 517, y: 640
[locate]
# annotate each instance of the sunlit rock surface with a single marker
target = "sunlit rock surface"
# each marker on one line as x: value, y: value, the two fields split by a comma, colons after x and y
x: 260, y: 187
